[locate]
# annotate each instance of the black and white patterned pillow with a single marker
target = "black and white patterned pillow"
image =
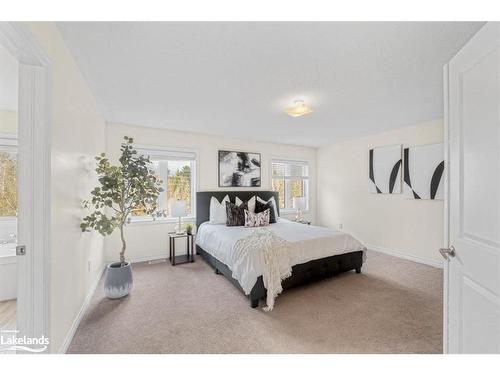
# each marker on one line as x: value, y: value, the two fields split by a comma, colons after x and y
x: 235, y: 214
x: 260, y: 219
x: 261, y: 207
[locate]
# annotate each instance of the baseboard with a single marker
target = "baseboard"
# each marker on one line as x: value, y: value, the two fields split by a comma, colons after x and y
x: 71, y: 333
x: 413, y: 258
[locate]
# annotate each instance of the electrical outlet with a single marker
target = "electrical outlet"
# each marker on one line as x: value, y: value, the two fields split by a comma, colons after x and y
x: 341, y: 226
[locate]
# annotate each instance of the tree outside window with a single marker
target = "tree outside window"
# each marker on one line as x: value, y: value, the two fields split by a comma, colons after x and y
x: 8, y: 184
x: 290, y: 179
x: 178, y: 181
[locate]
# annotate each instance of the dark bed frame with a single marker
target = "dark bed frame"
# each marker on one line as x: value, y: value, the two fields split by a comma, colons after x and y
x: 301, y: 273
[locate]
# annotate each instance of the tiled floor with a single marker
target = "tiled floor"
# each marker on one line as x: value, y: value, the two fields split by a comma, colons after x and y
x: 8, y: 314
x: 8, y: 322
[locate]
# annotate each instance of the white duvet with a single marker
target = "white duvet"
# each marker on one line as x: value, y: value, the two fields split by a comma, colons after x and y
x: 306, y: 243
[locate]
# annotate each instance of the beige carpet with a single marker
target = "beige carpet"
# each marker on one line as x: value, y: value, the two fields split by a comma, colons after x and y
x: 393, y: 306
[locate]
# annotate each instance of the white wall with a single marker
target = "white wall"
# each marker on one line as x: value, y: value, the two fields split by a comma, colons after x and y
x: 412, y: 228
x: 146, y: 241
x: 9, y: 79
x: 8, y: 122
x: 9, y: 92
x: 78, y: 130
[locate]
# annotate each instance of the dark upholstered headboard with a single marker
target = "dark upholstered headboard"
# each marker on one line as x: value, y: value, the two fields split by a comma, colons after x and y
x: 203, y: 200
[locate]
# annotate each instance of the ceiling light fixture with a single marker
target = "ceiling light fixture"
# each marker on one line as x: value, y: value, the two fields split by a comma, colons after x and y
x: 298, y: 109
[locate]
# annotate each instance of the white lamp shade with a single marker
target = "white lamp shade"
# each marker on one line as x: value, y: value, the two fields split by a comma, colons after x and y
x: 299, y: 203
x: 178, y: 208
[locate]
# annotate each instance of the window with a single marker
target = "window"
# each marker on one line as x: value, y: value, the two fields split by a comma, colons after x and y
x: 177, y: 170
x: 290, y: 179
x: 8, y: 178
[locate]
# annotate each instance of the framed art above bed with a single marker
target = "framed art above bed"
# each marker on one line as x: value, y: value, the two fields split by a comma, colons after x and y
x: 239, y: 169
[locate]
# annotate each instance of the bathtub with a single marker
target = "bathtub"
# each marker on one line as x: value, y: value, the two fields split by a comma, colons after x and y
x: 8, y: 271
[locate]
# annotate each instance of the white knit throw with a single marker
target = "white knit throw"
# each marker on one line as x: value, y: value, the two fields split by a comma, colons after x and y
x: 274, y: 256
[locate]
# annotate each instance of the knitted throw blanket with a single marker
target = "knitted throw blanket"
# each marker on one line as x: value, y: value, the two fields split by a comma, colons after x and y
x: 273, y: 254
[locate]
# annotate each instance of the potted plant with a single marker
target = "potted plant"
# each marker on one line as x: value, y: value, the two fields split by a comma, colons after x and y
x: 129, y: 186
x: 189, y: 229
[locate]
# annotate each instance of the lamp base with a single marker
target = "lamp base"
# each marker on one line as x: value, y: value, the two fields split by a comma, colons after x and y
x: 178, y: 227
x: 299, y: 217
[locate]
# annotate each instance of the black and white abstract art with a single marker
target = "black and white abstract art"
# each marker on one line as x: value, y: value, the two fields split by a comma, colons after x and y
x: 239, y: 169
x: 423, y: 172
x: 385, y: 170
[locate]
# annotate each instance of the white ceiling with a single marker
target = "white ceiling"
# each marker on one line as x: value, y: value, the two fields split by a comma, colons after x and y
x: 9, y: 73
x: 235, y: 79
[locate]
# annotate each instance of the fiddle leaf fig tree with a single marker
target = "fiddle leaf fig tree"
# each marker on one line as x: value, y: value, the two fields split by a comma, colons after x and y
x: 122, y: 188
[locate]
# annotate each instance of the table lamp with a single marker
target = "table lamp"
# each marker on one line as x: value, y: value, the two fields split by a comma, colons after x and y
x: 299, y: 203
x: 178, y: 209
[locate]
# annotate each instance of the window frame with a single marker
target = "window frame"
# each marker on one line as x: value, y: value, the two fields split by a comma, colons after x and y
x: 9, y: 143
x: 173, y: 152
x: 306, y: 163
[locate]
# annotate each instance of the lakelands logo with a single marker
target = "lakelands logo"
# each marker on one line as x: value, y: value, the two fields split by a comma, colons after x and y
x: 11, y: 342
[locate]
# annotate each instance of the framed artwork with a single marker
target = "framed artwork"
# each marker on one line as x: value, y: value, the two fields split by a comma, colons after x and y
x: 385, y: 170
x: 423, y: 172
x: 239, y: 169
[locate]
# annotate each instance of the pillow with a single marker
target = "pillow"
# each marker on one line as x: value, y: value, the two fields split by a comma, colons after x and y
x: 257, y: 220
x: 274, y: 210
x: 235, y: 214
x: 261, y: 207
x: 218, y: 210
x: 251, y: 203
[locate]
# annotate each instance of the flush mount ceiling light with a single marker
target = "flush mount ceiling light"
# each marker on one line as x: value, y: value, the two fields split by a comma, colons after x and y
x: 298, y: 109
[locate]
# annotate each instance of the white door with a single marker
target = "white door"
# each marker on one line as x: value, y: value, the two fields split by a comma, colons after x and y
x: 474, y: 195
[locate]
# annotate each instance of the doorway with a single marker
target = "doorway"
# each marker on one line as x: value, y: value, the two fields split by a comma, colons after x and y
x: 9, y: 85
x: 24, y: 190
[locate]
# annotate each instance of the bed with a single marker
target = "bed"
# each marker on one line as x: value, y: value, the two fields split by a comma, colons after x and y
x: 317, y: 252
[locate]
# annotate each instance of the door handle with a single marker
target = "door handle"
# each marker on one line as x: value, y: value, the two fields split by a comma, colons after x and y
x: 20, y: 250
x: 447, y: 253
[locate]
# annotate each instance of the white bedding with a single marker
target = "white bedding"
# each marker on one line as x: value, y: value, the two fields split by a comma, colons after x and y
x: 307, y: 243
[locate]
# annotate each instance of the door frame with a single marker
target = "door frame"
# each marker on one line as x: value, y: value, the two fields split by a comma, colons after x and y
x: 446, y: 209
x: 33, y: 176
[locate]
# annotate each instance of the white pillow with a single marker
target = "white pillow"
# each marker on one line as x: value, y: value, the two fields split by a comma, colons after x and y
x: 251, y: 203
x: 273, y: 203
x: 218, y: 210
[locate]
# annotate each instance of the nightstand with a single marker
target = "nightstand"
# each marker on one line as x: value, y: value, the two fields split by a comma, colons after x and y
x: 179, y: 259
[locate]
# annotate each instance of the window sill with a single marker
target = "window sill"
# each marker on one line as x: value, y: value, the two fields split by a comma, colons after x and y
x: 161, y: 220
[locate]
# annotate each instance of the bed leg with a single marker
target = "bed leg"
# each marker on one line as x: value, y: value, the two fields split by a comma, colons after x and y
x: 358, y: 269
x: 217, y: 272
x: 254, y: 303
